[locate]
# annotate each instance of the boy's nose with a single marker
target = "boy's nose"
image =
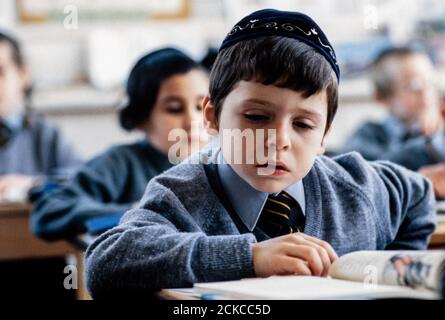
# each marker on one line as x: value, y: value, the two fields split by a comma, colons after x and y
x: 189, y: 117
x: 424, y: 98
x: 281, y: 139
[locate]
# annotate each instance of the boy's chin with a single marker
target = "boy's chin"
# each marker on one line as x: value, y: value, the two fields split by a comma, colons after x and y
x: 269, y: 186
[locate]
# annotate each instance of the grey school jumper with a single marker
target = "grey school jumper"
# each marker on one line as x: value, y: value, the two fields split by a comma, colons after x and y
x: 38, y: 149
x: 183, y: 233
x: 107, y: 185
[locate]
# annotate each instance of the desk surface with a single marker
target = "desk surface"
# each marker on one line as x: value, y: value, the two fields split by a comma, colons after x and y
x: 177, y: 294
x: 16, y: 239
x: 14, y: 209
x: 438, y: 237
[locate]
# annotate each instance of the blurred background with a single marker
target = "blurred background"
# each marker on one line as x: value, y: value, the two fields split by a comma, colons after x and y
x: 80, y: 51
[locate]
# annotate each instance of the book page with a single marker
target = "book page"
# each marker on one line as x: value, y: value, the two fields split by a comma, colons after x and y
x: 304, y: 287
x: 415, y: 269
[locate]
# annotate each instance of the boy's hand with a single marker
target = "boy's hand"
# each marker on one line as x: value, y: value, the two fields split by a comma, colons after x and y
x: 430, y: 121
x: 296, y: 254
x: 436, y: 174
x: 14, y: 183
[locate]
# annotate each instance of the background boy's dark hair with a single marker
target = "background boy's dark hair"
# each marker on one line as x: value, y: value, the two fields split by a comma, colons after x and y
x: 383, y: 77
x: 17, y: 56
x: 145, y: 80
x: 274, y: 60
x: 209, y: 58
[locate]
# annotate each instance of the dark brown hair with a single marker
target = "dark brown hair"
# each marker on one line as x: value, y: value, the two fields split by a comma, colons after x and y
x: 274, y: 60
x: 384, y: 77
x: 145, y: 80
x: 17, y: 56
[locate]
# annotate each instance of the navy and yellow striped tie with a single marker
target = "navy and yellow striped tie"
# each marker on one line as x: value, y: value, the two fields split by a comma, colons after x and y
x: 281, y: 215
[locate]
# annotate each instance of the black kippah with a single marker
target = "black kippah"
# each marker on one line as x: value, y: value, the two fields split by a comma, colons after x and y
x: 290, y: 24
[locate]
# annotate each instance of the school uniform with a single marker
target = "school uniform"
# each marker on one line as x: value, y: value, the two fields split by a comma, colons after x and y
x: 379, y: 140
x: 36, y: 148
x: 422, y: 151
x: 192, y: 225
x: 99, y: 193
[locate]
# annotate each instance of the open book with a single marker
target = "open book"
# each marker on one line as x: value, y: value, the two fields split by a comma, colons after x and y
x: 357, y: 275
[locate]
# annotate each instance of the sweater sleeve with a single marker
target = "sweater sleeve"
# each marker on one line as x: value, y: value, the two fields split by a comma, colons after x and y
x: 419, y: 152
x: 412, y: 206
x: 162, y: 246
x: 57, y: 156
x: 370, y: 140
x: 95, y: 190
x: 66, y: 159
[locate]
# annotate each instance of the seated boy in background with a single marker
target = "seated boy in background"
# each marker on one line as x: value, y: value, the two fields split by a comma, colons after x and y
x: 30, y: 148
x: 412, y: 133
x: 403, y: 84
x: 213, y: 218
x: 426, y: 154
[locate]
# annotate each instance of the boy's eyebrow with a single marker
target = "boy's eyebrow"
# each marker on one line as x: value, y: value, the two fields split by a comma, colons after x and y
x: 172, y: 99
x: 310, y: 113
x: 178, y: 98
x: 271, y: 104
x: 259, y: 101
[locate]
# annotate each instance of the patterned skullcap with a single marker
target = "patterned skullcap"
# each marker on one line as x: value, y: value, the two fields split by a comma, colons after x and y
x: 290, y: 24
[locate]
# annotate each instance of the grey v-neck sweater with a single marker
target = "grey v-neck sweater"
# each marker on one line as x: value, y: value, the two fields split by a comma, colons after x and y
x: 182, y: 233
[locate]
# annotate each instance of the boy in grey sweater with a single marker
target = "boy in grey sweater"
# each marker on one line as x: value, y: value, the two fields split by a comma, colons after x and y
x: 262, y: 200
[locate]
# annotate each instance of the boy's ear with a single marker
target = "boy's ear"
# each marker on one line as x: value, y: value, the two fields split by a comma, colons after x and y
x: 442, y: 106
x: 322, y: 148
x: 25, y: 77
x: 210, y: 122
x: 382, y: 100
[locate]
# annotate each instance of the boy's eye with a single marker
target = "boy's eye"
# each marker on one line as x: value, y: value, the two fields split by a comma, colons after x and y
x: 199, y: 107
x: 303, y: 125
x: 174, y: 108
x: 256, y: 117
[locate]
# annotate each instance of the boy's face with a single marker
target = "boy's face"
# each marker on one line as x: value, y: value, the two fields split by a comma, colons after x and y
x: 13, y: 81
x: 414, y: 92
x: 294, y: 129
x: 178, y: 106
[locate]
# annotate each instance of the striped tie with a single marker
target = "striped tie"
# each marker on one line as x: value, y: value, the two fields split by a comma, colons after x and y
x: 281, y: 215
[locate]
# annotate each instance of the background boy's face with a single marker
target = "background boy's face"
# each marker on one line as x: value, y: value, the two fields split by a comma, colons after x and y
x: 13, y: 81
x: 414, y: 93
x: 299, y: 123
x: 178, y: 106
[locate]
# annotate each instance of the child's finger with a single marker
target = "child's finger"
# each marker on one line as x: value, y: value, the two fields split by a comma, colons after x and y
x: 324, y: 256
x: 331, y: 252
x: 296, y: 266
x: 308, y: 254
x: 325, y: 259
x: 3, y: 187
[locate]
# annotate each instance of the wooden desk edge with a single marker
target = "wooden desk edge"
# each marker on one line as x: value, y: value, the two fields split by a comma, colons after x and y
x: 168, y: 294
x: 438, y: 237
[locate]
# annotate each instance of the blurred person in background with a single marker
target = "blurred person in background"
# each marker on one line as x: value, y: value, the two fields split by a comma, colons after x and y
x: 426, y: 155
x: 412, y: 134
x: 165, y: 89
x: 403, y: 84
x: 31, y: 149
